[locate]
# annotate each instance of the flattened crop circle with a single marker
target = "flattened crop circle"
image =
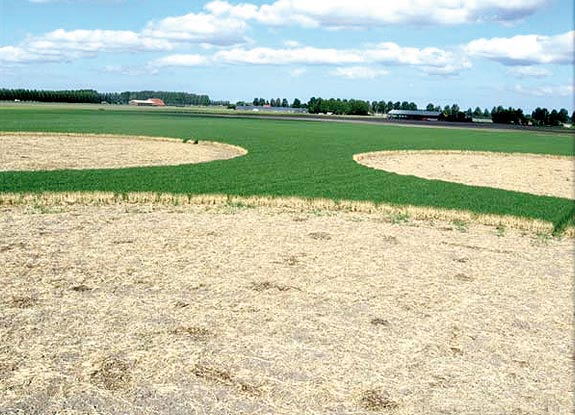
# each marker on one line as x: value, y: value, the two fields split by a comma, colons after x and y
x: 43, y: 151
x: 538, y: 174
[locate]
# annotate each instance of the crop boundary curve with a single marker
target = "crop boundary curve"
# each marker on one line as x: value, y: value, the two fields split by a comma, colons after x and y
x: 424, y: 167
x: 360, y: 156
x: 293, y: 204
x: 240, y: 151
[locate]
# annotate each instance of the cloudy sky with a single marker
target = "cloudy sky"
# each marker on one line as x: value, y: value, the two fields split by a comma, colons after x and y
x: 471, y: 52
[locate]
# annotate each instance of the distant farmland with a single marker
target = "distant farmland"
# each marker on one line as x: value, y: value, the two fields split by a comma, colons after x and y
x: 303, y: 159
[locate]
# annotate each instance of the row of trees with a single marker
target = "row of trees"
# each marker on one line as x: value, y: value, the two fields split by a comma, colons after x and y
x: 274, y: 102
x: 90, y: 96
x: 73, y: 96
x: 542, y: 116
x: 509, y: 115
x: 499, y: 114
x: 338, y: 106
x: 169, y: 97
x: 318, y: 105
x: 382, y: 107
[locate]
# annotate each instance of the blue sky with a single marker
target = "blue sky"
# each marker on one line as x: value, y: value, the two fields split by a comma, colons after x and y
x: 474, y: 52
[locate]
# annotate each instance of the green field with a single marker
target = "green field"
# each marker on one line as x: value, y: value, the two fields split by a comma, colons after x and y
x: 307, y: 159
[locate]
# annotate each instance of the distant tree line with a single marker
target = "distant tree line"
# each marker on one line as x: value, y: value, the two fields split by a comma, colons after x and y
x: 90, y: 96
x: 169, y: 98
x: 316, y: 105
x: 499, y: 114
x: 382, y: 107
x: 73, y: 96
x: 451, y: 113
x: 542, y: 116
x: 539, y: 117
x: 336, y: 106
x: 273, y: 102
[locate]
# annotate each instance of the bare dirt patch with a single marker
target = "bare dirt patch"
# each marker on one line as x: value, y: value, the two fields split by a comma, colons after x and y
x: 42, y: 151
x: 529, y: 173
x: 192, y: 315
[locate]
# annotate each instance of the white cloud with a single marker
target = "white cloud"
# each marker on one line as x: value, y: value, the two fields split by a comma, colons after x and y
x: 98, y: 41
x: 205, y: 29
x: 63, y: 46
x: 352, y: 62
x: 431, y: 60
x: 551, y: 91
x: 242, y: 11
x: 16, y: 55
x: 189, y: 60
x: 365, y: 13
x: 358, y: 13
x: 359, y: 72
x: 305, y: 55
x: 199, y: 28
x: 297, y: 72
x: 526, y: 49
x: 292, y: 44
x: 447, y: 70
x: 529, y: 72
x: 131, y: 70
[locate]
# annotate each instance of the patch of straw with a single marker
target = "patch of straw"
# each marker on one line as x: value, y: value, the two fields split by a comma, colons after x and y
x: 418, y: 213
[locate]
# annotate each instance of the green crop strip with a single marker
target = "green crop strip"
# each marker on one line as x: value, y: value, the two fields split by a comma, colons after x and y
x: 307, y: 159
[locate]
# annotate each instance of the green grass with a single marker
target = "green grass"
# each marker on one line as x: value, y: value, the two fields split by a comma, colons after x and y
x: 286, y: 158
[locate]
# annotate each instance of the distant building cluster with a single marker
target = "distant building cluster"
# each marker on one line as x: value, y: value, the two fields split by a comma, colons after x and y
x: 414, y: 114
x: 150, y: 102
x: 269, y: 108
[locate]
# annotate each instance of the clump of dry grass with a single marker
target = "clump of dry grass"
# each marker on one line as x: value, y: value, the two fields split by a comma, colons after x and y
x: 377, y: 400
x: 462, y: 260
x: 24, y: 301
x: 193, y: 332
x: 463, y: 277
x: 81, y: 288
x: 379, y: 322
x: 213, y: 374
x: 112, y: 373
x: 292, y: 260
x: 392, y: 240
x: 224, y: 377
x: 268, y: 285
x: 322, y: 236
x: 569, y: 232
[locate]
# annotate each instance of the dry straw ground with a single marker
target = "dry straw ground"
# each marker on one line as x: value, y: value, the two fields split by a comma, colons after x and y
x: 147, y: 308
x: 529, y: 173
x: 44, y: 151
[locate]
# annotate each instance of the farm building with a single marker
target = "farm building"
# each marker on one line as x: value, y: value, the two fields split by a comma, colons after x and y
x: 413, y: 114
x: 150, y: 102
